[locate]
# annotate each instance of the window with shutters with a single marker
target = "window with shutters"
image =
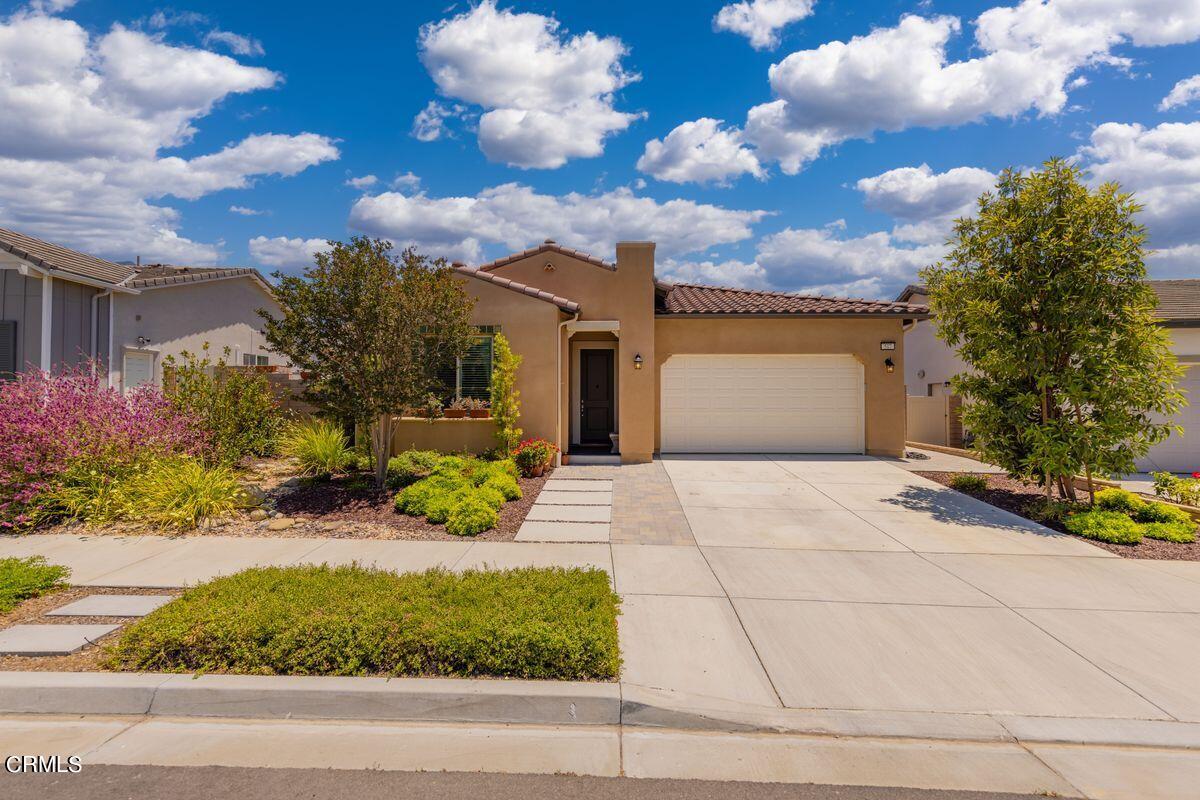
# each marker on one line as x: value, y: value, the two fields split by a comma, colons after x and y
x: 471, y: 375
x: 8, y: 348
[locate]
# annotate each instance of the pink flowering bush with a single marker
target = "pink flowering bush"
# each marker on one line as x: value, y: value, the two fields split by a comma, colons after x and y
x: 55, y: 425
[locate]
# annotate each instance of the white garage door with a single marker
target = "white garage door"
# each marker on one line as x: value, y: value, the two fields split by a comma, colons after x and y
x: 1180, y: 453
x: 762, y: 404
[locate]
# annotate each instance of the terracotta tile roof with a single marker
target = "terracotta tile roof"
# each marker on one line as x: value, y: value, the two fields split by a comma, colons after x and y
x: 570, y: 306
x: 1178, y: 301
x: 689, y: 298
x: 548, y: 246
x: 157, y: 275
x: 53, y: 256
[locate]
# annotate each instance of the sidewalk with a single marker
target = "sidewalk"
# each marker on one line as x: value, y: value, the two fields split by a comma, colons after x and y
x: 823, y: 604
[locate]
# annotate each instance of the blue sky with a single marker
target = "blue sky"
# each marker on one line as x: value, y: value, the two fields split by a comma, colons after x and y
x: 819, y: 145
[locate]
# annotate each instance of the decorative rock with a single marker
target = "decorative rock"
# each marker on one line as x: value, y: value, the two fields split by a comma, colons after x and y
x: 258, y: 515
x: 280, y: 524
x: 255, y: 496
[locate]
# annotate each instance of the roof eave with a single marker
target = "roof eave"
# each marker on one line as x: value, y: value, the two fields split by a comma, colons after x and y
x: 897, y: 315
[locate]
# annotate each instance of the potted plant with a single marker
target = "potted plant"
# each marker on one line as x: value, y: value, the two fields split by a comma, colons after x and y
x: 478, y: 409
x: 431, y: 408
x: 457, y: 409
x: 532, y: 456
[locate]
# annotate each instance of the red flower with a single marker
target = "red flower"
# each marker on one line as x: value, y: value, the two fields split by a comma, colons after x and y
x: 1196, y: 475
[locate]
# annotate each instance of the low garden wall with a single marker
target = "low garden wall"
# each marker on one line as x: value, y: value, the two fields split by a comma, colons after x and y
x: 446, y: 435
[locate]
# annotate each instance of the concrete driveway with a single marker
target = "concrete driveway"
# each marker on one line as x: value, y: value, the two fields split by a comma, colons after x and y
x: 846, y: 582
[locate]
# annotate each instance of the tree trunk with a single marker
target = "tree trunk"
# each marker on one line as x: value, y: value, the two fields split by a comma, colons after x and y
x: 381, y: 439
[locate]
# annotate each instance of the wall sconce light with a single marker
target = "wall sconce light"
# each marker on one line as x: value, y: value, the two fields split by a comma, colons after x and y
x: 889, y: 365
x: 637, y: 361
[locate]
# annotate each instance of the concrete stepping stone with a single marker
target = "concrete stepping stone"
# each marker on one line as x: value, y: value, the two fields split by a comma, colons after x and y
x: 113, y: 605
x: 545, y: 512
x: 574, y: 498
x: 50, y: 640
x: 537, y: 531
x: 578, y: 485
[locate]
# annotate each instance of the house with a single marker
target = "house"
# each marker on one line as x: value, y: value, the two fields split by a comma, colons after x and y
x: 929, y: 365
x: 616, y: 362
x: 60, y: 308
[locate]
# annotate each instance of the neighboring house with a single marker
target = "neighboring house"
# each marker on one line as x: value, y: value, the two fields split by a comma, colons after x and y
x: 60, y: 308
x: 609, y: 353
x: 929, y: 365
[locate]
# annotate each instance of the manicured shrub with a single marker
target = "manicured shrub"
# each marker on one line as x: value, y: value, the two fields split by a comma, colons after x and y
x: 441, y: 504
x: 235, y: 405
x: 1105, y: 526
x: 1161, y: 512
x: 410, y: 467
x: 506, y: 485
x: 970, y: 484
x: 320, y: 446
x: 490, y: 495
x: 1182, y: 532
x: 1043, y: 510
x: 22, y: 578
x: 1118, y: 500
x: 472, y: 516
x: 414, y: 499
x: 450, y: 465
x: 50, y: 425
x: 349, y: 620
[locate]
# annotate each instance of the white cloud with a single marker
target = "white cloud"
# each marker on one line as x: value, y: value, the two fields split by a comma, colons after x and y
x: 1175, y: 262
x: 283, y: 253
x: 547, y: 97
x: 515, y: 215
x: 739, y: 274
x: 1181, y: 93
x: 902, y: 77
x: 699, y: 152
x: 246, y: 211
x: 820, y: 258
x: 927, y: 203
x: 406, y: 182
x: 86, y: 119
x: 235, y: 42
x: 760, y: 20
x: 1161, y: 165
x: 429, y: 124
x: 362, y: 182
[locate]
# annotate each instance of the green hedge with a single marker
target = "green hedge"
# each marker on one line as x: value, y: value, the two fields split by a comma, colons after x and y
x: 1105, y: 526
x: 463, y: 493
x: 523, y: 623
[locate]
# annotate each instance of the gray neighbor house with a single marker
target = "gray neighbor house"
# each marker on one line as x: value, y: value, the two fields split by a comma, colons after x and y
x: 60, y: 308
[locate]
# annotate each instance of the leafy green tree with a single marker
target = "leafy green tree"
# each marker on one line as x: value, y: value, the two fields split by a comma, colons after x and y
x: 506, y: 399
x: 373, y: 330
x: 1044, y: 297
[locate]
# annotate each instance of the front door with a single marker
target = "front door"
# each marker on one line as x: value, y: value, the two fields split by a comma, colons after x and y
x: 595, y: 396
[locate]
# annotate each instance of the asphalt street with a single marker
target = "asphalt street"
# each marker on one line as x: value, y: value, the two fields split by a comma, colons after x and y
x: 223, y: 783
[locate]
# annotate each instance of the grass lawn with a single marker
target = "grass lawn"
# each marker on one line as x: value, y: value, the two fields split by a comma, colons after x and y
x: 22, y: 578
x: 524, y: 623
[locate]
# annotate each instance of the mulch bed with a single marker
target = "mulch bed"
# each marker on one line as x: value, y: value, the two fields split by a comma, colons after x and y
x: 33, y: 612
x: 1017, y: 496
x: 346, y: 510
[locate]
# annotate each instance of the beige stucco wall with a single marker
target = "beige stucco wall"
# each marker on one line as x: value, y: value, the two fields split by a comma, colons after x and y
x: 447, y: 435
x: 184, y: 317
x: 859, y: 337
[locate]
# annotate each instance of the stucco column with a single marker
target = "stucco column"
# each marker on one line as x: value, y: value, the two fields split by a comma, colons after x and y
x: 637, y: 411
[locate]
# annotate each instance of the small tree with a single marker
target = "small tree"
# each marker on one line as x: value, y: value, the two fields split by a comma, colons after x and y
x: 373, y: 331
x: 1044, y: 297
x: 506, y: 400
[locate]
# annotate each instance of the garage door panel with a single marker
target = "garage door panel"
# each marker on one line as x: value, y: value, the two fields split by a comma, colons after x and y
x: 1180, y: 452
x: 751, y: 403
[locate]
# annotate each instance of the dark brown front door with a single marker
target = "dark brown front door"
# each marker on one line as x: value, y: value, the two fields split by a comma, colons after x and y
x: 596, y: 396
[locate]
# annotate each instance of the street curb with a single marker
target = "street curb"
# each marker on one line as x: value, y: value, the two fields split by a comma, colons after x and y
x: 334, y: 698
